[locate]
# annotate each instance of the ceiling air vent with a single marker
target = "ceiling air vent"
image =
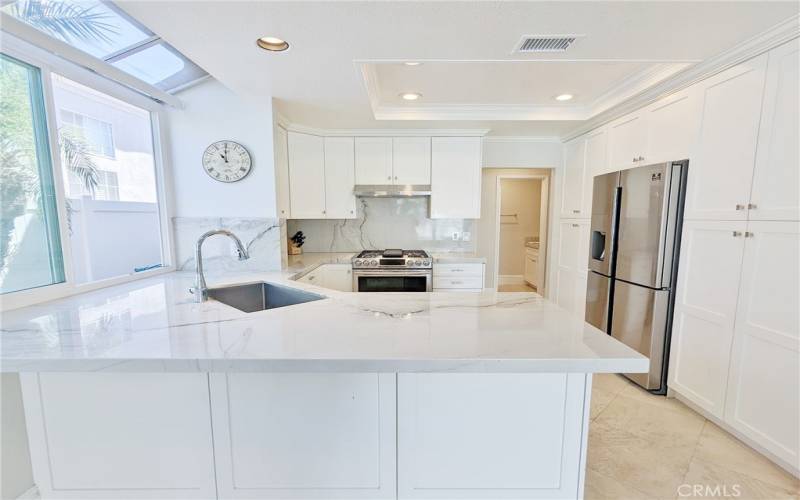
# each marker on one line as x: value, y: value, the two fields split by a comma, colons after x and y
x: 546, y: 43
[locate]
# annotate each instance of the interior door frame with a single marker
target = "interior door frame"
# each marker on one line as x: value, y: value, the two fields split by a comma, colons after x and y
x: 544, y: 213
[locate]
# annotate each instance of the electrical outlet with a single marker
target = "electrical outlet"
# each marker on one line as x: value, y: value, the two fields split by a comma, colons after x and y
x: 456, y: 235
x: 466, y: 235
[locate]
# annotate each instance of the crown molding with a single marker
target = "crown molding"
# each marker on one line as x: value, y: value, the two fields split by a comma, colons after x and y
x: 520, y: 139
x: 779, y: 34
x: 393, y: 132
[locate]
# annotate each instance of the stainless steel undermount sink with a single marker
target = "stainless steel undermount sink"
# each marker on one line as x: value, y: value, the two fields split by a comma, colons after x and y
x: 252, y: 297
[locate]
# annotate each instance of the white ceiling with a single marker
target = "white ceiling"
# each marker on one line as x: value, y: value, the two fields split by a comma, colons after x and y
x: 343, y: 68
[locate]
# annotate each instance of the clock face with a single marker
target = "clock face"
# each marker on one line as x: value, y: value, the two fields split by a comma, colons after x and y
x: 227, y: 161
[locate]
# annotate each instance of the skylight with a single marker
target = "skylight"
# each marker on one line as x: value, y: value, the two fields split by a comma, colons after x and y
x: 106, y: 32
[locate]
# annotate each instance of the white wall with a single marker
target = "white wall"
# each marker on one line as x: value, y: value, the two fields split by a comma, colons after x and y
x: 520, y: 152
x: 15, y: 476
x: 522, y: 197
x: 211, y: 113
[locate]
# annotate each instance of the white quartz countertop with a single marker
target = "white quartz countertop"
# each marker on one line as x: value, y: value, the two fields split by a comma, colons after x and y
x: 154, y: 325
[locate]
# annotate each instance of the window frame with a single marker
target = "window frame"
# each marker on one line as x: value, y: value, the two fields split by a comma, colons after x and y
x: 113, y: 155
x: 49, y: 64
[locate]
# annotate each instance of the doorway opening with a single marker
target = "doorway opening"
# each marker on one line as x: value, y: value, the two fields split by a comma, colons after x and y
x: 521, y: 233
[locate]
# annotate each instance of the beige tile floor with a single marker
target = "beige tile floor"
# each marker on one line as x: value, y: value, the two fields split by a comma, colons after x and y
x: 515, y: 288
x: 645, y: 447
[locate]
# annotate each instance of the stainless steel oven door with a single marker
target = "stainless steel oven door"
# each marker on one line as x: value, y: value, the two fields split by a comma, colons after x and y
x: 378, y: 280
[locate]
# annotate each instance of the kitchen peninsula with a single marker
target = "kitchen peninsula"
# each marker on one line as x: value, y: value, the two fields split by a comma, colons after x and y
x: 138, y: 391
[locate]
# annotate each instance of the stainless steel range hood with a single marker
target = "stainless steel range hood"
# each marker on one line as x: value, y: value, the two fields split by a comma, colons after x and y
x: 391, y: 191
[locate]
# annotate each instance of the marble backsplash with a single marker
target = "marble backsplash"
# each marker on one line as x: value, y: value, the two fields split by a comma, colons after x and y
x: 261, y: 237
x: 385, y: 223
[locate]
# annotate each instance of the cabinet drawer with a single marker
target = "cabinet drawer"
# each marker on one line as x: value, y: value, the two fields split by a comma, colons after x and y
x: 457, y: 282
x: 458, y: 270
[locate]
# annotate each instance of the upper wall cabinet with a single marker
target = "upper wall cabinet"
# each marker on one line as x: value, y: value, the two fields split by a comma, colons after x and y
x: 374, y: 160
x: 307, y: 176
x: 596, y: 164
x: 627, y: 141
x: 672, y: 127
x: 340, y: 202
x: 411, y: 160
x: 776, y: 182
x: 572, y: 187
x: 321, y: 177
x: 721, y: 171
x: 455, y: 178
x: 282, y: 172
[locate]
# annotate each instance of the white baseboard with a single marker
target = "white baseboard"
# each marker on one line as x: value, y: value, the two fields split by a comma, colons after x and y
x: 510, y: 279
x: 31, y: 494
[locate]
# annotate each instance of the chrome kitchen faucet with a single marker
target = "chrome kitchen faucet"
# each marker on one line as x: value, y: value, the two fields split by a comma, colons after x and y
x: 200, y: 289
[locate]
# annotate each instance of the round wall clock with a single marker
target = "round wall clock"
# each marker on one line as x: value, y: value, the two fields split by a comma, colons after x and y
x: 227, y: 161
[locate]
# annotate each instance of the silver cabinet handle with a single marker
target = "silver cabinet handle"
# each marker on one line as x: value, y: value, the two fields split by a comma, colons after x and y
x: 389, y: 178
x: 736, y: 234
x: 576, y: 211
x: 739, y: 207
x: 323, y: 211
x: 456, y: 282
x: 395, y: 177
x: 641, y: 158
x: 748, y: 234
x: 574, y: 225
x: 634, y: 159
x: 457, y: 270
x: 752, y: 206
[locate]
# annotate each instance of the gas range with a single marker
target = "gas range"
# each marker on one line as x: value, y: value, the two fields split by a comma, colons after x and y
x: 392, y: 259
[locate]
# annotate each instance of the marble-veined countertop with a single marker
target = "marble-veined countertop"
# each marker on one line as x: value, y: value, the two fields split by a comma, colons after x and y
x: 154, y: 325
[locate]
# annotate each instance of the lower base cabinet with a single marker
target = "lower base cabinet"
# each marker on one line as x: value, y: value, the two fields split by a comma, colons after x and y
x: 307, y: 435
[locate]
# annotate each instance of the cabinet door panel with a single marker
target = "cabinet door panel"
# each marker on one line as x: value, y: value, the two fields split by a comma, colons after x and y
x: 340, y: 202
x: 721, y: 172
x: 455, y: 177
x: 120, y: 435
x: 570, y: 274
x: 304, y: 435
x: 764, y: 390
x: 596, y: 147
x: 776, y: 182
x: 338, y: 277
x: 373, y: 160
x: 282, y: 200
x: 411, y: 160
x: 307, y: 176
x: 672, y: 127
x: 526, y: 447
x: 572, y: 187
x: 705, y: 309
x: 627, y: 140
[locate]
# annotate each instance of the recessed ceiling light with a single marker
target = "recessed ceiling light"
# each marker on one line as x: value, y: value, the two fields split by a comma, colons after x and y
x: 272, y: 44
x: 564, y: 97
x: 412, y: 63
x: 411, y: 96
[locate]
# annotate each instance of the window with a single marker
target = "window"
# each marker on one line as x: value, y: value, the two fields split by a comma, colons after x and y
x: 106, y: 32
x: 110, y: 182
x: 95, y: 134
x: 30, y: 247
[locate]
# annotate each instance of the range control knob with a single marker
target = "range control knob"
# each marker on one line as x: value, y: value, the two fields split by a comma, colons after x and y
x: 410, y: 263
x: 416, y: 262
x: 357, y: 263
x: 374, y: 263
x: 425, y: 263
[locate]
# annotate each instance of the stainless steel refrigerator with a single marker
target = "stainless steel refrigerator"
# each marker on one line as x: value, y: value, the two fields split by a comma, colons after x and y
x: 633, y: 260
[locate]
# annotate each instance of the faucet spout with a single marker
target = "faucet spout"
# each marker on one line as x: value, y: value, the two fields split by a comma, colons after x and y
x: 200, y: 289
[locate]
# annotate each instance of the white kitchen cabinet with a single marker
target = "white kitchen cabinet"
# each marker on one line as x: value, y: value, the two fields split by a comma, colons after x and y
x: 282, y: 200
x: 764, y: 389
x: 533, y: 454
x: 721, y: 171
x: 672, y: 127
x: 776, y: 181
x: 572, y: 263
x: 304, y: 435
x: 340, y: 201
x: 411, y: 160
x: 120, y: 435
x: 627, y: 141
x: 314, y: 277
x: 307, y: 176
x: 705, y: 310
x: 373, y: 160
x: 338, y: 277
x: 458, y: 277
x: 572, y: 186
x: 596, y: 164
x: 455, y: 178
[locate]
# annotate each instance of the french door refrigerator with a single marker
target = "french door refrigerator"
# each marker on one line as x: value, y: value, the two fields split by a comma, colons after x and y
x: 633, y: 260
